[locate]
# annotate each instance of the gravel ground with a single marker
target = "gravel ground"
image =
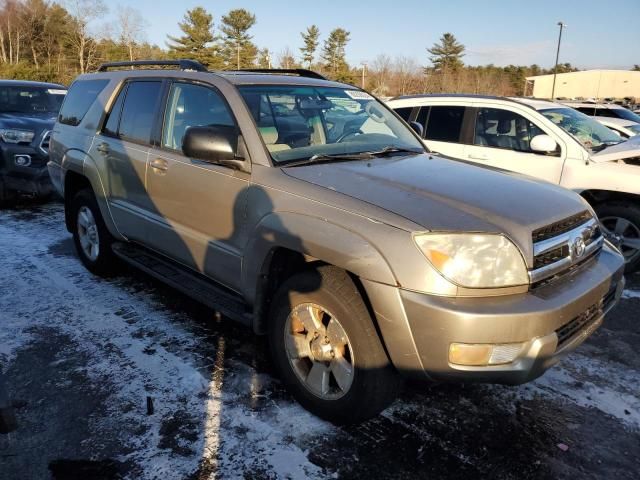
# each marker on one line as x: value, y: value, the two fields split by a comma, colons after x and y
x: 125, y: 378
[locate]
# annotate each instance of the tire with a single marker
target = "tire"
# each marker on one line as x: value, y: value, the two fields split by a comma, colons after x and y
x: 374, y: 382
x: 623, y: 218
x: 101, y: 261
x: 7, y: 197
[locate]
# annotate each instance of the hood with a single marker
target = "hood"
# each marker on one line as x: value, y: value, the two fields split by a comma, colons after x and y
x: 628, y: 149
x: 440, y: 194
x: 28, y: 121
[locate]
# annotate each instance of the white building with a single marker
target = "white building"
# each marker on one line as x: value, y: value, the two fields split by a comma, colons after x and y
x: 596, y: 84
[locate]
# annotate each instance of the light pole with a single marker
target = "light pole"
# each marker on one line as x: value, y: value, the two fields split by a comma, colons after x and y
x: 555, y: 70
x: 364, y: 72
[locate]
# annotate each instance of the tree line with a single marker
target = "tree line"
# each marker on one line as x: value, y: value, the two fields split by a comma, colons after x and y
x: 52, y: 41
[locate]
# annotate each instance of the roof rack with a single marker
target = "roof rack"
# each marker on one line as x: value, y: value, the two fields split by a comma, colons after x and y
x: 301, y: 72
x: 183, y: 64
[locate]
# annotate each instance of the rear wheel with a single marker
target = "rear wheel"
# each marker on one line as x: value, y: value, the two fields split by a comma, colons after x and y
x: 326, y: 348
x: 90, y: 235
x: 621, y: 223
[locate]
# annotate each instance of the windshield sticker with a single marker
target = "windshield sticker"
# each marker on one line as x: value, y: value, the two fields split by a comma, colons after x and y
x: 54, y: 91
x: 358, y: 95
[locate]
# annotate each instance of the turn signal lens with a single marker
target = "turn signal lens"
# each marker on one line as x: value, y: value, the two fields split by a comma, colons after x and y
x: 483, y: 354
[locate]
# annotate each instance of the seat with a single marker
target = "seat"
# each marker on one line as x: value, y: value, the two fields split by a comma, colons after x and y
x: 270, y: 137
x: 504, y: 139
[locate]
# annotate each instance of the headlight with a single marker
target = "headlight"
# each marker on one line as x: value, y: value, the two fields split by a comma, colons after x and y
x: 11, y: 135
x: 474, y: 260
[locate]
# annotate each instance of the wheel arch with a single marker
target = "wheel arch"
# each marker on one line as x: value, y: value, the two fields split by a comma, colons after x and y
x: 284, y: 244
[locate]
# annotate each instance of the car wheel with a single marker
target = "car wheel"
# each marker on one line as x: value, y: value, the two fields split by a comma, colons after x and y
x: 326, y: 348
x: 90, y: 235
x: 6, y: 196
x: 621, y: 223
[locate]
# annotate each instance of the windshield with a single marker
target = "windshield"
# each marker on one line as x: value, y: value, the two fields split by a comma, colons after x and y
x: 589, y: 132
x: 27, y: 99
x: 627, y: 115
x: 301, y: 122
x: 634, y: 128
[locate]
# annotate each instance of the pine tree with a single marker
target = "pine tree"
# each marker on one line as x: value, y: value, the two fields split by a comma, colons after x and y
x: 310, y: 38
x: 447, y: 55
x: 238, y: 49
x: 198, y: 38
x: 334, y: 56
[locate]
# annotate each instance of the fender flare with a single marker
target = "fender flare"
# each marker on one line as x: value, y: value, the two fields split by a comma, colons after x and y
x: 313, y: 237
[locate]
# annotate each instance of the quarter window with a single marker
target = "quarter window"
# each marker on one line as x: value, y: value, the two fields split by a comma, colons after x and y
x: 445, y: 124
x: 504, y: 129
x: 139, y: 110
x: 192, y: 105
x: 80, y: 97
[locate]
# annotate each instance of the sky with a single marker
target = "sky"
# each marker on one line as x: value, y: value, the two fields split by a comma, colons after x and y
x: 599, y: 34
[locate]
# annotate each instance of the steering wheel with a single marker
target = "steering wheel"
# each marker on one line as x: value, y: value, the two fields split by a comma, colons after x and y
x: 349, y: 134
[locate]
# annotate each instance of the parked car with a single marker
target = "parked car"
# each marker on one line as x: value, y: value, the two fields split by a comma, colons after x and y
x: 624, y: 128
x: 546, y: 140
x: 28, y: 111
x: 359, y: 254
x: 610, y: 110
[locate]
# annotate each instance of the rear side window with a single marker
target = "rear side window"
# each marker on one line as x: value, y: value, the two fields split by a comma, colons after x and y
x: 81, y: 96
x: 111, y: 126
x: 140, y: 110
x: 404, y: 112
x: 591, y: 111
x: 445, y: 124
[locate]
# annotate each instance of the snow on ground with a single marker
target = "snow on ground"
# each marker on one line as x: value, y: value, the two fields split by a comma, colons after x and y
x: 216, y: 411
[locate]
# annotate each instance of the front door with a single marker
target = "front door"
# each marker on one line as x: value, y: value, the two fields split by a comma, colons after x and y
x: 501, y: 139
x: 201, y: 207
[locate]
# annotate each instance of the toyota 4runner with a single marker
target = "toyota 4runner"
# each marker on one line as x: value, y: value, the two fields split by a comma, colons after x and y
x: 312, y: 213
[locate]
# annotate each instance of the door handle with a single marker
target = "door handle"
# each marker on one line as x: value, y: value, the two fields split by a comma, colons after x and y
x: 479, y: 156
x: 159, y: 164
x: 103, y: 148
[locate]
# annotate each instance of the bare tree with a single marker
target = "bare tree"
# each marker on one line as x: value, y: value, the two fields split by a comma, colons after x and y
x: 286, y: 58
x: 131, y: 28
x: 83, y: 13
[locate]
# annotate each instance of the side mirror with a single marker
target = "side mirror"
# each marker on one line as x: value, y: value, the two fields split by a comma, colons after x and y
x: 543, y: 144
x: 417, y: 127
x: 217, y: 144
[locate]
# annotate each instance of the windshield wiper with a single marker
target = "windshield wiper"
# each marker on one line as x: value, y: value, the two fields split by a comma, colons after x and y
x: 323, y: 158
x: 346, y: 157
x: 604, y: 145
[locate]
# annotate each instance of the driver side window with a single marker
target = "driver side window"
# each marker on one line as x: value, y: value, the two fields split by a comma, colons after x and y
x: 498, y: 128
x: 192, y: 105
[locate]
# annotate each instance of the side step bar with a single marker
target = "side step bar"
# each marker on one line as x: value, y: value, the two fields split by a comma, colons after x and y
x: 192, y: 284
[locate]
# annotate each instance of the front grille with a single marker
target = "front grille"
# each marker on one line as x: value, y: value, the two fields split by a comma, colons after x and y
x: 550, y: 257
x: 569, y: 330
x: 563, y: 226
x: 557, y: 255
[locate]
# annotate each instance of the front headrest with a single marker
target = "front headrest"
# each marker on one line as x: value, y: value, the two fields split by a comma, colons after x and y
x: 504, y: 126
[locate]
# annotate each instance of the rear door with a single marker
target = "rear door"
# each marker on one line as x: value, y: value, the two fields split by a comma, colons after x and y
x: 124, y: 142
x: 501, y: 138
x: 443, y: 128
x: 199, y: 206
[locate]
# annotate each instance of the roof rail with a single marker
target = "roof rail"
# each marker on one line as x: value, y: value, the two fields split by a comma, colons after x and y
x: 183, y: 64
x: 301, y: 72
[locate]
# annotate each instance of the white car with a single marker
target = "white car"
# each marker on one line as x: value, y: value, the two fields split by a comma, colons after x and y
x: 624, y: 128
x: 545, y: 140
x: 610, y: 110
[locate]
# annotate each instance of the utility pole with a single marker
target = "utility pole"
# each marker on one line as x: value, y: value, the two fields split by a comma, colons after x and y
x: 555, y: 70
x: 238, y: 51
x: 364, y: 72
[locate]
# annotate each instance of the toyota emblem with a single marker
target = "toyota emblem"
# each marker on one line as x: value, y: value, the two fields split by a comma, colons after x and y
x: 578, y: 247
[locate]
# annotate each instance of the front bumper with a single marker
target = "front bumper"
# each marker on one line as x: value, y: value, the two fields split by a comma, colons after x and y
x: 550, y: 322
x: 33, y: 179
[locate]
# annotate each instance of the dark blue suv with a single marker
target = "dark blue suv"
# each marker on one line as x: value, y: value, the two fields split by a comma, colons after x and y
x: 28, y: 111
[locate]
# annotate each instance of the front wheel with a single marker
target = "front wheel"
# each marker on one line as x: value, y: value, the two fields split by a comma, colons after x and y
x: 326, y: 348
x: 90, y: 235
x: 621, y: 223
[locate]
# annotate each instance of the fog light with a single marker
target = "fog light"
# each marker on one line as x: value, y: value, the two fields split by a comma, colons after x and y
x: 483, y: 354
x: 22, y: 160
